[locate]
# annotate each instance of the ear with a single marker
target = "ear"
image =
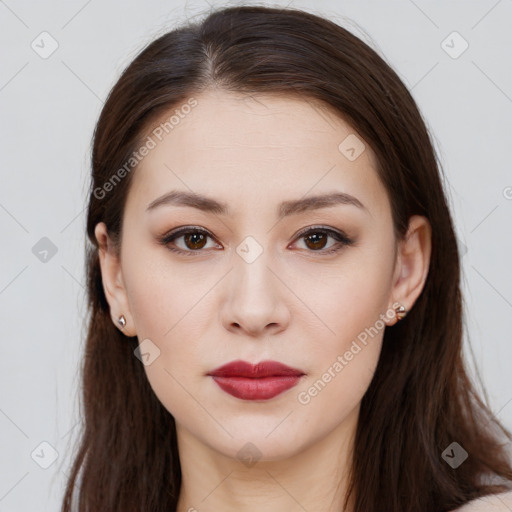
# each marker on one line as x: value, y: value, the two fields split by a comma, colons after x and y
x: 112, y: 278
x: 412, y: 264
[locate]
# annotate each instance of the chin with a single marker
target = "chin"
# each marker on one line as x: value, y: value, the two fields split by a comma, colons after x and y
x: 251, y: 450
x: 256, y: 441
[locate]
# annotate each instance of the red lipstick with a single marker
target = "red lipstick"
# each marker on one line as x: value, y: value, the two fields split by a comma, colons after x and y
x: 260, y: 381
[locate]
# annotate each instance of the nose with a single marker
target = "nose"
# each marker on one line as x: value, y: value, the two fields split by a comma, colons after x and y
x: 255, y: 301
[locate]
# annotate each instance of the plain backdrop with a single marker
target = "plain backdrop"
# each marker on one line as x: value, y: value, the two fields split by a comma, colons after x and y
x: 49, y: 104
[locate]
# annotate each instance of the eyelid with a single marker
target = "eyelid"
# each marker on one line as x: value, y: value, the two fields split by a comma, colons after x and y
x: 320, y: 227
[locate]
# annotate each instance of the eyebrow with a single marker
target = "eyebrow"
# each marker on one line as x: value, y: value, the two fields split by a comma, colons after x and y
x: 286, y: 208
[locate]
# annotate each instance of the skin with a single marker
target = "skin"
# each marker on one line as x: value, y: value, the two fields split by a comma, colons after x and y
x: 495, y: 503
x: 292, y: 304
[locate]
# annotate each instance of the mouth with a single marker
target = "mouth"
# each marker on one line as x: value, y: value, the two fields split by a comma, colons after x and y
x: 261, y: 381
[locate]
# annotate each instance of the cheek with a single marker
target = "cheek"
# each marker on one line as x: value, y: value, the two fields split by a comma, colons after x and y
x: 172, y: 315
x: 165, y: 303
x: 348, y: 299
x: 165, y: 329
x: 161, y: 296
x: 328, y: 398
x: 345, y: 357
x: 352, y: 307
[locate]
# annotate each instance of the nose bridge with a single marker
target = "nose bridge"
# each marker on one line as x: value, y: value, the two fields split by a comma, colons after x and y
x: 252, y: 276
x: 255, y: 297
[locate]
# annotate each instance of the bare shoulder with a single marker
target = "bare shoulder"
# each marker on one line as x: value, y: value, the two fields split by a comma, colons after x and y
x: 492, y: 503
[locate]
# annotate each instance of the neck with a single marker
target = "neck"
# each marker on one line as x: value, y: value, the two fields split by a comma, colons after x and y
x: 314, y: 478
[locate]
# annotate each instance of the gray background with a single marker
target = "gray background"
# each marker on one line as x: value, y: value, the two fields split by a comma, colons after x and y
x: 48, y: 110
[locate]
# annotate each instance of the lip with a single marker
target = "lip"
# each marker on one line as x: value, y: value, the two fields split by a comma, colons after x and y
x: 261, y: 381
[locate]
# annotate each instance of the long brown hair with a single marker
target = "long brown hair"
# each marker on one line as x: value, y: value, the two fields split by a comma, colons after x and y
x: 420, y: 399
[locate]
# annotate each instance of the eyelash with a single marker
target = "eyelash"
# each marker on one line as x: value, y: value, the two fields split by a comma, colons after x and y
x: 342, y: 239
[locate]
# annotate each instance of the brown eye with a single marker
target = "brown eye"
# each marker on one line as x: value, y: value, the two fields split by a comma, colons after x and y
x: 316, y: 240
x: 195, y: 240
x: 188, y: 240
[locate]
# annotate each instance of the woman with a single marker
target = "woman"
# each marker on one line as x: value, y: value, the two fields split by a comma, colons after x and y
x: 273, y: 275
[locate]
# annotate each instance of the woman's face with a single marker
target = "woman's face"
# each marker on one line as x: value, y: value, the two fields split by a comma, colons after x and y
x: 249, y: 284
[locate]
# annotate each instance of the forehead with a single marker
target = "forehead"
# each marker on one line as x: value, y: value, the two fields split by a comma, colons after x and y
x: 260, y: 145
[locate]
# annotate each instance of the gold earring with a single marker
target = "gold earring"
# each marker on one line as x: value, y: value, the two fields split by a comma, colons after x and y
x: 400, y: 313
